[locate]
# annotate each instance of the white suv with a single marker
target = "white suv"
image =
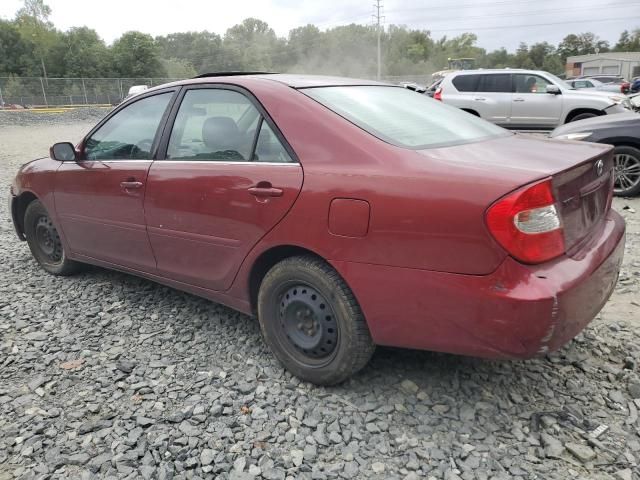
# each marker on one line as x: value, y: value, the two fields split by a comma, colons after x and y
x: 524, y: 99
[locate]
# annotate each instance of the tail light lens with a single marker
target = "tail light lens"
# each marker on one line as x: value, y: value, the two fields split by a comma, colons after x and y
x: 527, y: 225
x: 438, y: 94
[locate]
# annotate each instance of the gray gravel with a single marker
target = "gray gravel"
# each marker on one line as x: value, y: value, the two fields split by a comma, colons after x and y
x: 105, y: 375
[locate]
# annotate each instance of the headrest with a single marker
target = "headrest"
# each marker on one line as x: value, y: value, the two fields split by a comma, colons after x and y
x: 220, y: 133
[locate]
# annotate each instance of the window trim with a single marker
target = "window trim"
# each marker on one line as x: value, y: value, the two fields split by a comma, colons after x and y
x: 159, y: 130
x: 161, y: 154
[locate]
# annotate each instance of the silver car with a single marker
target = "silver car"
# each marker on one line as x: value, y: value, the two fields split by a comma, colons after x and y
x: 525, y: 99
x: 595, y: 84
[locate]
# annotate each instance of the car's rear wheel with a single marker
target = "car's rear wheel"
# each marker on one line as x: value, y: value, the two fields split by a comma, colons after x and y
x: 312, y: 322
x: 626, y: 162
x: 44, y: 241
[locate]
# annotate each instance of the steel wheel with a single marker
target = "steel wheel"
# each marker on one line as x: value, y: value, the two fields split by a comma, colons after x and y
x: 44, y: 242
x: 48, y: 240
x: 308, y: 323
x: 312, y: 322
x: 627, y: 173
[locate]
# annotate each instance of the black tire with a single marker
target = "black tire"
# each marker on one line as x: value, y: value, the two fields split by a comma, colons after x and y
x: 626, y: 161
x: 44, y: 241
x: 582, y: 116
x: 330, y: 341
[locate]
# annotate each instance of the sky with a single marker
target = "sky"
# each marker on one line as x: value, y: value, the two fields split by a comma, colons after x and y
x: 497, y: 23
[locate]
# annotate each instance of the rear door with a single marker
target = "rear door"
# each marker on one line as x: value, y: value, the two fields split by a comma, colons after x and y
x: 99, y: 199
x: 492, y: 98
x: 532, y: 106
x: 227, y: 178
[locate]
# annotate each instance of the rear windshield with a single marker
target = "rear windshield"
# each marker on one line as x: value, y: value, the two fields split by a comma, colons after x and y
x: 404, y: 118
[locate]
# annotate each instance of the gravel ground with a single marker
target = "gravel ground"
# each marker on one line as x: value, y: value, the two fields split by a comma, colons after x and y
x: 106, y: 375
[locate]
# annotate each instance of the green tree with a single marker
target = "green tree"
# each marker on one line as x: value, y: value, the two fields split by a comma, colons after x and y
x: 135, y: 54
x: 80, y: 52
x: 581, y: 44
x: 629, y: 41
x: 16, y: 52
x: 32, y: 21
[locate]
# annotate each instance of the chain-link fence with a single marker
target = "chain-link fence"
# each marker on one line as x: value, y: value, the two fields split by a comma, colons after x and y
x: 47, y: 92
x: 40, y: 91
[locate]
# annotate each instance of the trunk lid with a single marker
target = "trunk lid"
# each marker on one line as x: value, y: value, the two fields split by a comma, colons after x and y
x: 583, y: 195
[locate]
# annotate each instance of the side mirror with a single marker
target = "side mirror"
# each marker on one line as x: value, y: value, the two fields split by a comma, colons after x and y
x: 63, y: 152
x: 553, y: 89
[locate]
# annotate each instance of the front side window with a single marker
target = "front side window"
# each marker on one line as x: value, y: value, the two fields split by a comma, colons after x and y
x: 402, y: 118
x: 529, y: 83
x: 130, y: 133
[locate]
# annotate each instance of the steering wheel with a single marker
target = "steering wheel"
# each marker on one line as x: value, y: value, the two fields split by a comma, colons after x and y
x: 145, y: 145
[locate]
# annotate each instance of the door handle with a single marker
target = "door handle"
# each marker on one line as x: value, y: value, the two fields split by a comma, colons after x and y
x: 130, y: 184
x: 265, y: 189
x: 480, y: 99
x: 518, y: 99
x: 265, y: 192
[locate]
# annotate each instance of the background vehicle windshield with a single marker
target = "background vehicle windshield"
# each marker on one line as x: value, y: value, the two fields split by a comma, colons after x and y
x: 403, y: 118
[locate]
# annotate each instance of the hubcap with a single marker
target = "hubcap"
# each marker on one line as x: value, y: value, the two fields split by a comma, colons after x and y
x: 308, y: 322
x: 627, y: 171
x: 48, y: 240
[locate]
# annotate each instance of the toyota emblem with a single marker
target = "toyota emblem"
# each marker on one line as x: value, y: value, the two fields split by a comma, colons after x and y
x: 599, y: 166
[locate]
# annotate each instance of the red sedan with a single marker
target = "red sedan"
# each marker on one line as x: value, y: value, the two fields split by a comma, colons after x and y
x: 345, y: 214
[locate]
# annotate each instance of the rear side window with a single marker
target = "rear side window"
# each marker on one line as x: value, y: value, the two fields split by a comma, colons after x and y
x: 495, y: 83
x: 400, y: 117
x: 466, y: 83
x: 213, y: 124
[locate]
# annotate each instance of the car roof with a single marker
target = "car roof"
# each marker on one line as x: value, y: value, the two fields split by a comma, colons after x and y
x: 291, y: 80
x: 493, y: 70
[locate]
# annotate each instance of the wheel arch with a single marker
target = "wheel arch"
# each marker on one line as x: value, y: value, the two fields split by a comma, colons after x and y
x: 471, y: 111
x: 266, y: 260
x: 622, y: 142
x: 578, y: 111
x: 18, y: 208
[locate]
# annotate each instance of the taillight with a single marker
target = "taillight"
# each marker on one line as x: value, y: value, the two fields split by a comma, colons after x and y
x: 438, y: 94
x: 526, y: 223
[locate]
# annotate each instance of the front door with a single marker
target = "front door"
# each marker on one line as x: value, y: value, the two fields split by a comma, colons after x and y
x: 227, y: 178
x: 532, y: 106
x: 99, y: 199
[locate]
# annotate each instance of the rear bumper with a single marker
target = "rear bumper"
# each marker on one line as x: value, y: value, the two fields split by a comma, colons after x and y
x: 519, y: 311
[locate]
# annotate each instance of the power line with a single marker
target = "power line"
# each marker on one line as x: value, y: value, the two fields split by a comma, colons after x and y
x: 377, y: 17
x: 524, y: 25
x: 485, y: 5
x: 528, y: 14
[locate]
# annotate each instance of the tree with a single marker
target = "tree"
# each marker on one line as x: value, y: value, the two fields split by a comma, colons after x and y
x: 628, y: 42
x: 135, y: 54
x: 581, y: 44
x: 33, y: 23
x: 80, y: 52
x: 17, y: 57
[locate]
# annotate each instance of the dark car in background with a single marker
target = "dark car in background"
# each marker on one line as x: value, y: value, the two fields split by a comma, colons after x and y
x: 622, y: 131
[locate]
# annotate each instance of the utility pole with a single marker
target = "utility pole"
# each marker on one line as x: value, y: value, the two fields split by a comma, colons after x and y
x: 377, y: 19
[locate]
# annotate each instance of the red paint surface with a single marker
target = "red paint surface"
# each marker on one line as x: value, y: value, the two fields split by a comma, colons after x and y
x: 427, y: 273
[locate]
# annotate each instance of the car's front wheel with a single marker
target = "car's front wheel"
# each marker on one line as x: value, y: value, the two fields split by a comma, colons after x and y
x: 312, y: 322
x: 44, y: 241
x: 626, y: 162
